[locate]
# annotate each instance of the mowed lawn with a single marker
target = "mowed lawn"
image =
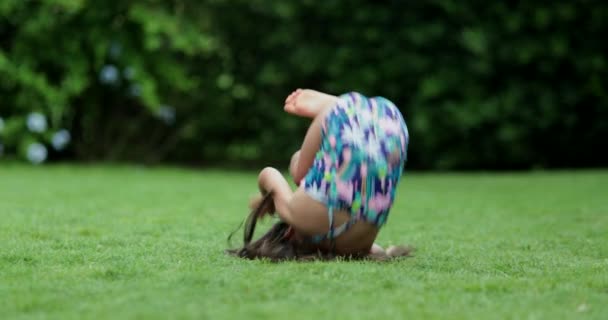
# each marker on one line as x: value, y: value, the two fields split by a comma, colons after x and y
x: 80, y: 242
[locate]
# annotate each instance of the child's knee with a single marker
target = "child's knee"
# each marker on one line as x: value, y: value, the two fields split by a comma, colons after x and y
x: 267, y: 171
x: 267, y: 174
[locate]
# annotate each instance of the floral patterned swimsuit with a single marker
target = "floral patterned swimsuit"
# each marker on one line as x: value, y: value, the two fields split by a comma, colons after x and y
x: 360, y: 161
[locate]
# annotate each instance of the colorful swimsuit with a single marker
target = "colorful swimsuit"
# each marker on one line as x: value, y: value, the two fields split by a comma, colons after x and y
x: 360, y: 161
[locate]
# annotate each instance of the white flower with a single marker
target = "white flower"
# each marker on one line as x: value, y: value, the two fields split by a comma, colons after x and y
x: 167, y: 114
x: 108, y: 74
x: 1, y: 124
x: 36, y: 153
x: 36, y: 122
x: 60, y: 139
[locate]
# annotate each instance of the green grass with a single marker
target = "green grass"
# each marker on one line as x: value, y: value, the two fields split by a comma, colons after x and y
x: 130, y: 242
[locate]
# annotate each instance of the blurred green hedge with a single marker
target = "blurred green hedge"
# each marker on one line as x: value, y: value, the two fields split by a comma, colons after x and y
x: 483, y: 85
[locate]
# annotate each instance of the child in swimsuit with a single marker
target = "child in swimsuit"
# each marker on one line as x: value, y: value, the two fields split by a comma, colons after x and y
x: 347, y: 170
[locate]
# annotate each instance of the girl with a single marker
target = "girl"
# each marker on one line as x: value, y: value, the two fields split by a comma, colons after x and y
x: 347, y: 171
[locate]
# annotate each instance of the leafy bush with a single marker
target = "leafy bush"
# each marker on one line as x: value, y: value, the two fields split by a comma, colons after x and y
x: 105, y: 71
x: 491, y: 85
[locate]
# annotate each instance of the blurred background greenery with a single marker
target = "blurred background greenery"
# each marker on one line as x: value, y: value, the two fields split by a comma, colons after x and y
x: 482, y: 85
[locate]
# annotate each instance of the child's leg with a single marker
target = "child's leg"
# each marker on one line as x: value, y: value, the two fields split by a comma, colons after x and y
x: 303, y: 214
x: 298, y: 209
x: 309, y: 217
x: 316, y: 105
x: 295, y: 208
x: 271, y: 180
x: 293, y: 164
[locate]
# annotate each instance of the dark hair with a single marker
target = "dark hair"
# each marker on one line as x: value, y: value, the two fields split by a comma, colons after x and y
x: 277, y: 244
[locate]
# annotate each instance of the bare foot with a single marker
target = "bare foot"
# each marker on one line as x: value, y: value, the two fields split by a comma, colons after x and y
x: 398, y: 251
x: 308, y: 103
x: 376, y: 252
x: 376, y: 249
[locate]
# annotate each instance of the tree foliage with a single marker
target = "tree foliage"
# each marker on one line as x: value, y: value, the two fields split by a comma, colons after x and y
x: 482, y: 85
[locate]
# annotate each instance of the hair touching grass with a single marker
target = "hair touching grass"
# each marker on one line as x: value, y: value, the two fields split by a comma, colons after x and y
x: 277, y: 244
